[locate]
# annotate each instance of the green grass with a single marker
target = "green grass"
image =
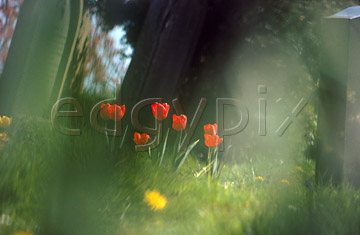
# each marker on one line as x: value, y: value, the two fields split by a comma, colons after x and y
x: 56, y: 184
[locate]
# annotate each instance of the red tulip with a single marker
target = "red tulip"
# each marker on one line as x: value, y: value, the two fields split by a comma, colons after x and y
x: 212, y: 140
x: 117, y: 112
x: 113, y: 112
x: 105, y: 111
x: 160, y: 111
x: 210, y: 129
x: 141, y: 139
x: 179, y: 122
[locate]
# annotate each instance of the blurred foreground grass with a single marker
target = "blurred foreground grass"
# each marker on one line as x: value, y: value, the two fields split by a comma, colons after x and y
x: 56, y: 184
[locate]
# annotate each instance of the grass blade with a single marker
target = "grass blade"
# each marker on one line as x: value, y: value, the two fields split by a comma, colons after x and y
x: 187, y: 154
x: 113, y: 141
x: 123, y: 138
x: 214, y: 170
x: 164, y: 147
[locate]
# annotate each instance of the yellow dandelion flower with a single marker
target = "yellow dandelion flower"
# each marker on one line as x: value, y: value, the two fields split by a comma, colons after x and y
x: 155, y: 200
x: 23, y: 233
x: 285, y: 181
x: 5, y: 121
x: 299, y: 168
x: 3, y: 137
x: 259, y: 178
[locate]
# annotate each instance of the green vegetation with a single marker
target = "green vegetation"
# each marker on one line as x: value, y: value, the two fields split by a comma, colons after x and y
x: 56, y: 184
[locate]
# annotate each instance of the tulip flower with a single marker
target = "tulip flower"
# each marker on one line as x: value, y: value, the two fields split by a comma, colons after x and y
x: 105, y: 111
x: 212, y: 140
x: 141, y: 139
x: 179, y: 122
x: 160, y: 111
x: 5, y: 121
x: 113, y: 112
x: 117, y: 112
x: 210, y: 129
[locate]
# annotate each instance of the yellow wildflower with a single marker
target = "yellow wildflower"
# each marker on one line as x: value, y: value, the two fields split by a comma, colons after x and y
x: 23, y: 233
x: 299, y: 168
x: 259, y: 178
x: 285, y: 181
x: 5, y: 121
x: 3, y: 137
x: 155, y: 200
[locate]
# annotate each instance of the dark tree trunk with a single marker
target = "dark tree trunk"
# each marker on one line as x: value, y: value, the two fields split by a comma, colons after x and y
x: 164, y: 50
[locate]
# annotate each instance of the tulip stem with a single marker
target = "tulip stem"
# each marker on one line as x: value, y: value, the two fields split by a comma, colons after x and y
x: 159, y: 134
x: 123, y: 138
x: 175, y: 154
x: 113, y: 140
x: 106, y: 134
x: 209, y: 165
x: 179, y: 144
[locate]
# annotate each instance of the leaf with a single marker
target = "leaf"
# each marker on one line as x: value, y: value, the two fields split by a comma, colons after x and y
x: 164, y: 147
x: 188, y: 150
x: 221, y: 164
x: 216, y: 162
x: 123, y: 138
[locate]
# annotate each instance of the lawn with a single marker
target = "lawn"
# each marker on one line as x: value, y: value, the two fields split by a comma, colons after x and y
x: 57, y: 184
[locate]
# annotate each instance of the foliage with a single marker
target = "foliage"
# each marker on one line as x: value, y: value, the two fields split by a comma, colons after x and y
x: 260, y: 23
x: 55, y: 184
x: 99, y: 64
x: 52, y: 184
x: 129, y: 14
x: 9, y: 11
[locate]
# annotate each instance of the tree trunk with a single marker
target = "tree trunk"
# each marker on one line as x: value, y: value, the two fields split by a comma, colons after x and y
x: 164, y: 50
